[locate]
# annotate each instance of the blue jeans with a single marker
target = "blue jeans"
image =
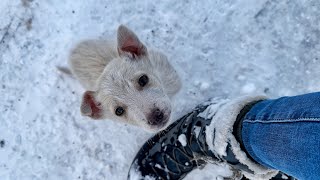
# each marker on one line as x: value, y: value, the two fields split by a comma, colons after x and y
x: 284, y: 134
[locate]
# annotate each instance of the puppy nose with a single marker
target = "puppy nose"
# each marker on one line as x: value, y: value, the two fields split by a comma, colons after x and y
x: 156, y: 117
x: 158, y: 114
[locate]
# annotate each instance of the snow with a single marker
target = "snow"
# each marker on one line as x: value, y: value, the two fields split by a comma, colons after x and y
x: 136, y: 175
x: 196, y: 130
x: 220, y: 48
x: 284, y: 176
x: 248, y: 88
x: 164, y: 169
x: 208, y: 172
x: 182, y: 139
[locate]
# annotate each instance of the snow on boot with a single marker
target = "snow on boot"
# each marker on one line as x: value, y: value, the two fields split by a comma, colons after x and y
x: 202, y: 136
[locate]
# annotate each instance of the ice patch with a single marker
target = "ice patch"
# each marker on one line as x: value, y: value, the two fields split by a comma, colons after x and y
x: 182, y: 139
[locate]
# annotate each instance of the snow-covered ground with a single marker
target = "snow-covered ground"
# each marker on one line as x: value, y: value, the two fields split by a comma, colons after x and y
x: 219, y: 47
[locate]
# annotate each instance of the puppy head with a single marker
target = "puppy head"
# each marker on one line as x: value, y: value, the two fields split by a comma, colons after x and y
x: 130, y: 89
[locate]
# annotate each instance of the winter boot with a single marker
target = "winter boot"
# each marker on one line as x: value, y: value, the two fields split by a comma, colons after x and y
x: 207, y: 134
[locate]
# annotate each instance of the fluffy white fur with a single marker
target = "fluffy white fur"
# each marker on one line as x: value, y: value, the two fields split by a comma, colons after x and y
x: 221, y: 128
x: 110, y: 72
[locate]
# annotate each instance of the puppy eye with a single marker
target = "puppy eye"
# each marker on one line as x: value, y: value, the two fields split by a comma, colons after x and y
x: 143, y: 80
x: 119, y: 111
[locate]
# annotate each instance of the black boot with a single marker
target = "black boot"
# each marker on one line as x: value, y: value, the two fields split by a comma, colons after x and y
x: 175, y: 151
x: 182, y: 147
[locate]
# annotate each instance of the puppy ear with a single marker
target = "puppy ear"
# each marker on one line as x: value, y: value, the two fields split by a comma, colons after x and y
x: 90, y: 107
x: 129, y: 44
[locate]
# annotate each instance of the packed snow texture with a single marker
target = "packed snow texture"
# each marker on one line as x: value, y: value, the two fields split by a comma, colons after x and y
x: 219, y: 47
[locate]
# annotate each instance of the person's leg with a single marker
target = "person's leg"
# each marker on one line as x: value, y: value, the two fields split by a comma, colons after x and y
x: 284, y: 134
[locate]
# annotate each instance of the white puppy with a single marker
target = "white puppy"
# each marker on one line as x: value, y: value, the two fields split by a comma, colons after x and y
x: 125, y: 81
